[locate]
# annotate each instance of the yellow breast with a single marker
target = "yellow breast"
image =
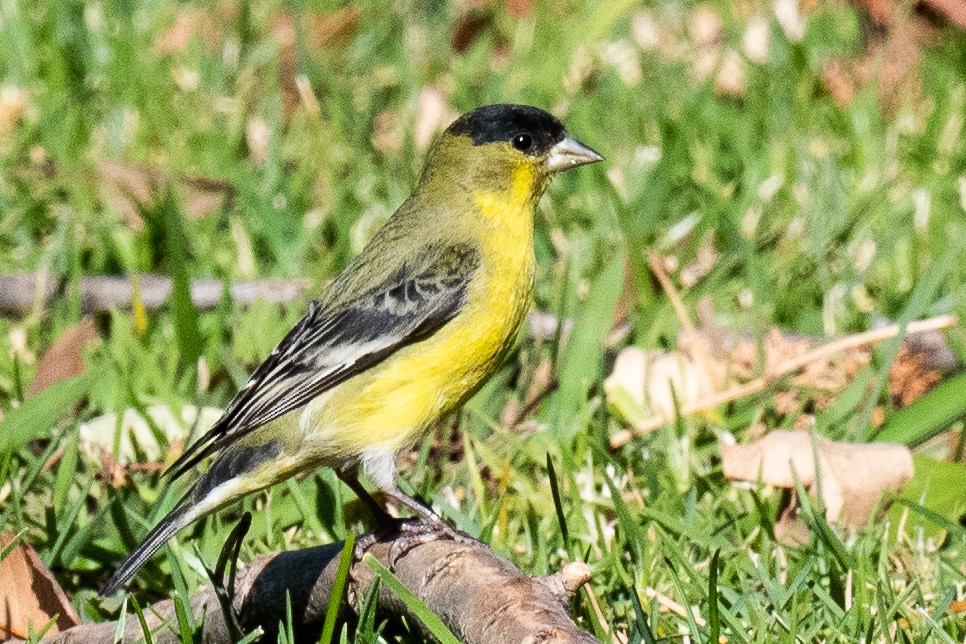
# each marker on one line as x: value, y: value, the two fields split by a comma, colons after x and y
x: 392, y: 404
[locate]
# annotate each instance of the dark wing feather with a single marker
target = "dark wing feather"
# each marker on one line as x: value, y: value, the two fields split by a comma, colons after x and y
x: 330, y: 345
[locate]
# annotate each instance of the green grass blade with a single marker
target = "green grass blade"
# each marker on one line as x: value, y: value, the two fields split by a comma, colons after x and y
x: 65, y: 471
x: 582, y: 355
x: 184, y: 313
x: 714, y: 615
x: 186, y: 624
x: 927, y: 416
x: 338, y: 587
x: 121, y: 622
x: 144, y: 623
x: 37, y: 415
x: 557, y: 504
x: 7, y: 549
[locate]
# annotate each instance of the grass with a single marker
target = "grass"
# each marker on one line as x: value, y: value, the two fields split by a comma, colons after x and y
x: 823, y: 220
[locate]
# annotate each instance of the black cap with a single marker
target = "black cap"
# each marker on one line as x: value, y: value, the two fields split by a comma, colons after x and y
x: 529, y: 129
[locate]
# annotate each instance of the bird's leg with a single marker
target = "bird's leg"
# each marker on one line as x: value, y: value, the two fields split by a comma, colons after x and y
x: 385, y: 523
x: 351, y: 478
x: 431, y: 528
x: 380, y: 468
x: 424, y: 512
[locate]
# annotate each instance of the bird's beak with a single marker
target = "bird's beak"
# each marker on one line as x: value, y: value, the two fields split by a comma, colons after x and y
x: 570, y: 153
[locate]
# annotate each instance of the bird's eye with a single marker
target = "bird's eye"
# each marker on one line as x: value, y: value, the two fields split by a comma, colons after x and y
x: 522, y: 142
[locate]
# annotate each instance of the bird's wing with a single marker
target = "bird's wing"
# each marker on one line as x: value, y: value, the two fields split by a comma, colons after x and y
x: 331, y: 344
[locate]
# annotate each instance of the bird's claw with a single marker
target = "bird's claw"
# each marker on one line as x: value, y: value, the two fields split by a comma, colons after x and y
x: 406, y: 534
x: 412, y: 534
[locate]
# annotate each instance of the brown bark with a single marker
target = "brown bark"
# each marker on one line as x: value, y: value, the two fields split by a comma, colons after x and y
x: 480, y: 596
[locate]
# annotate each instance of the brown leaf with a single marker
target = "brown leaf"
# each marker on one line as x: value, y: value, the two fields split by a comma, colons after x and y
x: 520, y: 8
x: 64, y: 358
x: 911, y: 376
x: 656, y: 382
x: 127, y: 187
x: 335, y: 29
x: 176, y: 38
x: 284, y: 32
x: 14, y: 103
x: 851, y: 477
x: 890, y: 63
x: 468, y: 27
x: 955, y: 10
x: 433, y: 114
x: 29, y: 595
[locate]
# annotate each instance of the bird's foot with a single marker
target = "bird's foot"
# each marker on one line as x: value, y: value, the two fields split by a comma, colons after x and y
x: 391, y: 530
x: 416, y: 533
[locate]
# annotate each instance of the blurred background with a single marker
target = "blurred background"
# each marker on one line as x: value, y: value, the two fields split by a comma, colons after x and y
x: 777, y: 174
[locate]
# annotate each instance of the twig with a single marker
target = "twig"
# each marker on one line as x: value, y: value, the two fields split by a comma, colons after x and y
x: 28, y: 292
x: 698, y: 345
x: 480, y: 596
x: 791, y: 366
x: 669, y: 605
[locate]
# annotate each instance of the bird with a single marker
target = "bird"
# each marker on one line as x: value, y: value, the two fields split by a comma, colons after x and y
x: 401, y: 338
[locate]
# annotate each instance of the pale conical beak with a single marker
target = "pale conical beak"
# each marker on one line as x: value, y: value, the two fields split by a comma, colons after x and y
x: 570, y: 153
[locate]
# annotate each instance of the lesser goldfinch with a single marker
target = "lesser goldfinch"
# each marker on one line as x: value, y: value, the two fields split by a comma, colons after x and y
x: 411, y: 328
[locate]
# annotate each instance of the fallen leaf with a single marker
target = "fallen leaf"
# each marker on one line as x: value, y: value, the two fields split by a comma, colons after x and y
x: 97, y: 436
x: 850, y: 477
x: 644, y: 383
x: 64, y: 358
x: 283, y: 30
x: 205, y: 24
x: 705, y: 26
x: 258, y: 135
x: 520, y: 8
x: 470, y: 26
x: 336, y: 29
x: 911, y: 376
x: 14, y: 103
x: 176, y: 38
x: 433, y: 113
x: 955, y: 10
x: 30, y: 597
x: 127, y: 187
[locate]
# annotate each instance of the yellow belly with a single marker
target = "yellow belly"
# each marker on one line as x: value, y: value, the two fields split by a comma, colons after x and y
x: 390, y: 406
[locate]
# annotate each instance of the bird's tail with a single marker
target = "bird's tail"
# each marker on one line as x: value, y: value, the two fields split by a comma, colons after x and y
x: 182, y: 514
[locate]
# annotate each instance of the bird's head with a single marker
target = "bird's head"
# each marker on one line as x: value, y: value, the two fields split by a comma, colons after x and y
x: 506, y: 147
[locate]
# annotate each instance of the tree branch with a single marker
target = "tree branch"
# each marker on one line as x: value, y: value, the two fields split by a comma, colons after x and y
x: 24, y: 292
x: 480, y: 596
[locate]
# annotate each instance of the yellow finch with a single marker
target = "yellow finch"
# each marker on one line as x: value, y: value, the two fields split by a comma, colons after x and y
x: 410, y: 329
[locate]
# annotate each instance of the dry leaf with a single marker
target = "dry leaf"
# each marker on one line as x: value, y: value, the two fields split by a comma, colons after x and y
x: 204, y: 23
x: 14, y: 102
x: 852, y: 477
x: 432, y: 115
x: 336, y: 29
x: 705, y: 26
x: 520, y: 8
x: 129, y: 186
x: 387, y: 135
x: 955, y: 10
x: 177, y: 36
x: 29, y: 595
x: 891, y: 61
x: 258, y: 135
x: 470, y: 26
x: 64, y: 358
x: 654, y: 383
x: 97, y: 435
